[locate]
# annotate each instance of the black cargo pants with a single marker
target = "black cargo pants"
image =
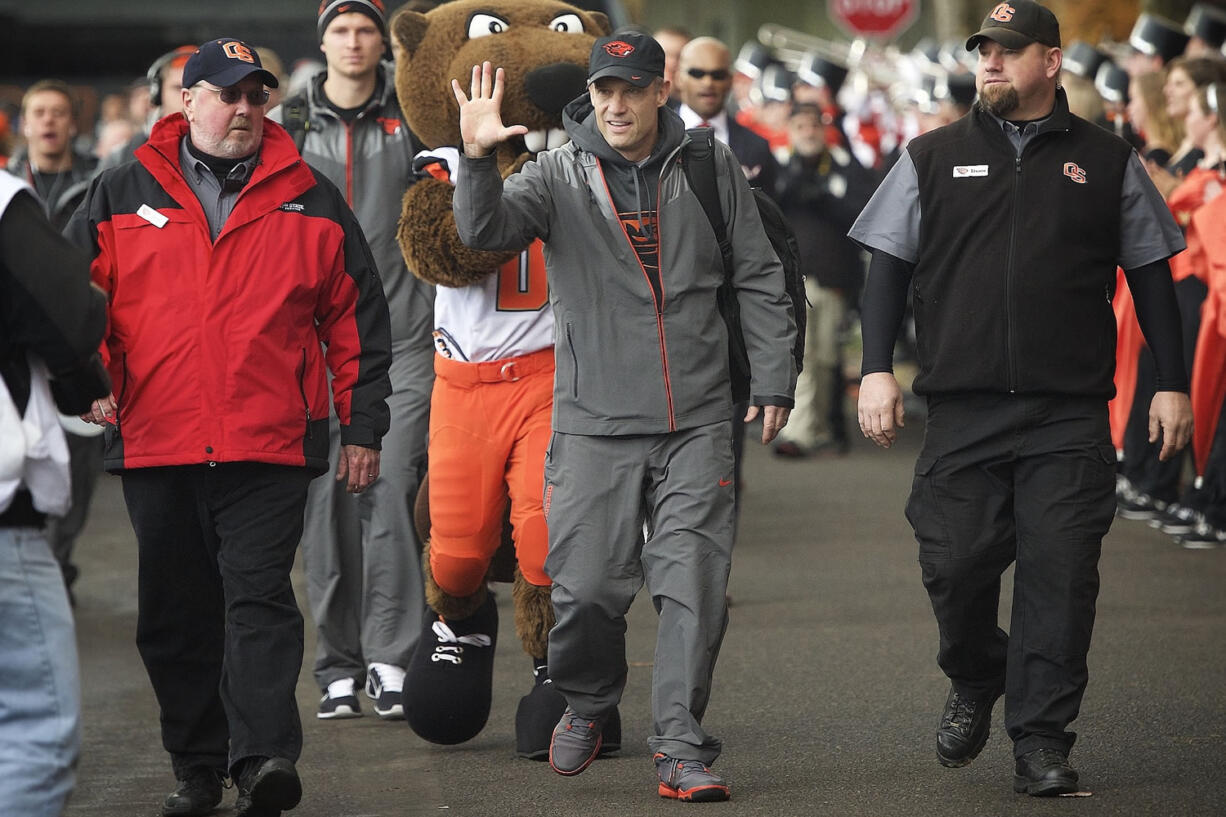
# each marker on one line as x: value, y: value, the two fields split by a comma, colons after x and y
x: 1027, y: 479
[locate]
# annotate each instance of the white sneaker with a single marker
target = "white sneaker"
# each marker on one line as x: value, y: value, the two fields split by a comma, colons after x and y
x: 384, y: 686
x: 340, y: 701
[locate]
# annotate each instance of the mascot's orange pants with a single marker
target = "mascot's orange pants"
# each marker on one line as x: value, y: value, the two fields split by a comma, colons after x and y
x: 489, y: 428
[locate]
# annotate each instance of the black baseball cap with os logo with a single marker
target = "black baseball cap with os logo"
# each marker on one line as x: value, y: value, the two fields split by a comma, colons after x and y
x: 1017, y: 24
x: 629, y: 55
x: 223, y: 63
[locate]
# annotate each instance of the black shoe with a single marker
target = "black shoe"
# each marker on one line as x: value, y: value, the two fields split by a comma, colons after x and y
x: 1044, y: 773
x: 611, y: 737
x: 1202, y: 537
x: 1177, y: 519
x: 1134, y: 504
x: 789, y: 450
x: 266, y: 787
x: 450, y: 678
x: 198, y: 793
x: 964, y: 727
x: 538, y: 712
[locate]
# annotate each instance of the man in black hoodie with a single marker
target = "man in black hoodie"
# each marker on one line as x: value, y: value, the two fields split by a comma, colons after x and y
x: 1026, y: 212
x: 642, y: 436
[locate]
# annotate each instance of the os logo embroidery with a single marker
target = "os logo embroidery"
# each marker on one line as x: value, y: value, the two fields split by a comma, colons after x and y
x: 1003, y: 13
x: 618, y: 48
x: 237, y: 51
x: 1074, y: 172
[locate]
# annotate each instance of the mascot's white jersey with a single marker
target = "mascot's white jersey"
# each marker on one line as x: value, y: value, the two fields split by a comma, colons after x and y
x: 506, y: 315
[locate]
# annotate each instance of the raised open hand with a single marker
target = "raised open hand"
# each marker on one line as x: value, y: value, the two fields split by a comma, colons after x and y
x: 481, y: 127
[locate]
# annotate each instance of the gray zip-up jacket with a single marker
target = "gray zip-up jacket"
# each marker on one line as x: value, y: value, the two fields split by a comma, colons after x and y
x: 371, y: 163
x: 636, y: 355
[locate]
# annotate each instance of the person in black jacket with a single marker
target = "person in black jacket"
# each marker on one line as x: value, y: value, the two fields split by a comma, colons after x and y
x: 821, y: 190
x: 1026, y: 212
x: 51, y: 321
x: 56, y: 172
x: 704, y: 78
x: 59, y: 176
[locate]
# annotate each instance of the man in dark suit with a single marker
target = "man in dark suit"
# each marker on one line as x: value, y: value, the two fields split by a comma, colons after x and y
x: 704, y: 78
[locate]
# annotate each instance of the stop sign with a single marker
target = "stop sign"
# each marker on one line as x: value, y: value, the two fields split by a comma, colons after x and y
x: 881, y: 19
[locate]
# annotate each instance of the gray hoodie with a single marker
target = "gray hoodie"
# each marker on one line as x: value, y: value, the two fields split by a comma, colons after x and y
x: 636, y: 354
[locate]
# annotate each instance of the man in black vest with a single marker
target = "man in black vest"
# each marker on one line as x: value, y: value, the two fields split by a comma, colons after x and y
x: 1026, y: 212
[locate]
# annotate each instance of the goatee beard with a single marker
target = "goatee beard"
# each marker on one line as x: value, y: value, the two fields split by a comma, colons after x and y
x: 999, y: 99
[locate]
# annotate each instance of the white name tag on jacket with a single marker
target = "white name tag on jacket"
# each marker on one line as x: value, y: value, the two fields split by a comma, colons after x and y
x: 152, y: 216
x: 970, y: 171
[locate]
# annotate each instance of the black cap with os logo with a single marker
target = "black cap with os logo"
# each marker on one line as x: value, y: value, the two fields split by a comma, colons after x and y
x: 223, y: 63
x: 629, y: 55
x: 1017, y: 24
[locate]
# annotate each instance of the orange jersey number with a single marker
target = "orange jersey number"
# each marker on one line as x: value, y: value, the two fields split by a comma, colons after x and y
x: 522, y: 286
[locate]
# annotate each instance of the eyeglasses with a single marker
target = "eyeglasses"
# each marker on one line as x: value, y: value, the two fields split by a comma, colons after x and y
x: 719, y: 74
x: 231, y: 94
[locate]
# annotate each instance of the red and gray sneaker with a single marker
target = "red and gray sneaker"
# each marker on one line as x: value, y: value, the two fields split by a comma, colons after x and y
x: 690, y: 781
x: 576, y: 742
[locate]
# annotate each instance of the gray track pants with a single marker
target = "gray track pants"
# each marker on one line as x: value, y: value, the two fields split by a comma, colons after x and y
x: 359, y: 551
x: 599, y: 491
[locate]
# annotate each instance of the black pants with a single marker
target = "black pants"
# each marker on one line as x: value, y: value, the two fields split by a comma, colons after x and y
x: 218, y: 627
x: 85, y: 464
x: 1147, y: 473
x: 1031, y: 480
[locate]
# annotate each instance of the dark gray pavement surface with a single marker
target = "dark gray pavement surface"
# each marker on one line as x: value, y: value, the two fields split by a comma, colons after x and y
x: 827, y: 693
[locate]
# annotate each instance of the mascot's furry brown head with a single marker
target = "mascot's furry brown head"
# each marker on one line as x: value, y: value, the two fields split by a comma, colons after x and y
x: 543, y: 47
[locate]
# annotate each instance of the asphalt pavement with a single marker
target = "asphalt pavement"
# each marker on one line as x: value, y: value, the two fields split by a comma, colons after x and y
x: 827, y: 693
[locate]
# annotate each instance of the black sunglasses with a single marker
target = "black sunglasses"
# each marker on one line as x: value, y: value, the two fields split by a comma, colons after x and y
x: 231, y: 94
x: 719, y: 74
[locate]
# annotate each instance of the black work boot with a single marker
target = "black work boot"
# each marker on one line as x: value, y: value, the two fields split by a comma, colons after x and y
x: 266, y: 787
x: 965, y: 724
x: 1044, y: 773
x: 198, y: 792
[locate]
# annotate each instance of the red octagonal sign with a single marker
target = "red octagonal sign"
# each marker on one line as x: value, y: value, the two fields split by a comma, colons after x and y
x: 880, y: 19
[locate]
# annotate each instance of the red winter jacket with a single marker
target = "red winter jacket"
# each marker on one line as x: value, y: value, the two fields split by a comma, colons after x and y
x: 214, y: 348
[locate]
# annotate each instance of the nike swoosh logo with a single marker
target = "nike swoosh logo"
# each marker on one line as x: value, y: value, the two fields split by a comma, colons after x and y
x: 724, y: 483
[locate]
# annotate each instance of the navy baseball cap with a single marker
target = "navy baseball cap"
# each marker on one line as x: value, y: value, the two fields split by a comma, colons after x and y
x: 1017, y: 24
x: 636, y: 58
x: 225, y: 62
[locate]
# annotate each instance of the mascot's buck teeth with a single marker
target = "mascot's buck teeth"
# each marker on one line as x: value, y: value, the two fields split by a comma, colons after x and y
x: 538, y: 140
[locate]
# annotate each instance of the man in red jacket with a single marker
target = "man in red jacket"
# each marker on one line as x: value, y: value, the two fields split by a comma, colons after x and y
x: 227, y: 261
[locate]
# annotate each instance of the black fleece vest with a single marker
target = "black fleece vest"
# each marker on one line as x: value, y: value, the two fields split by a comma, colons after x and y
x: 1012, y: 289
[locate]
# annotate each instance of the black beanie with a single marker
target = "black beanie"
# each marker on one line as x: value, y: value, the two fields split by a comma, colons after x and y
x: 329, y: 9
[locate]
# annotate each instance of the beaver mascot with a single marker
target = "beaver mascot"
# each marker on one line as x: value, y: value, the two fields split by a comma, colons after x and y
x: 492, y: 399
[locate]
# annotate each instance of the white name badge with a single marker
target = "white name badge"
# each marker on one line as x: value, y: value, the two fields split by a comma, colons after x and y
x: 152, y: 216
x: 970, y: 171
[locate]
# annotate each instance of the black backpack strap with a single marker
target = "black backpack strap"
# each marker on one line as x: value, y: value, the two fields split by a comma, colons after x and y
x: 296, y: 118
x: 699, y: 165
